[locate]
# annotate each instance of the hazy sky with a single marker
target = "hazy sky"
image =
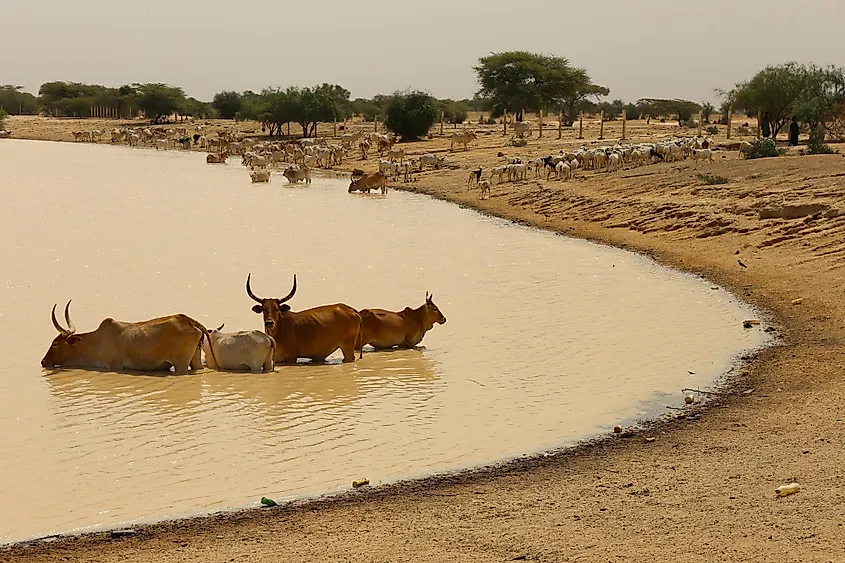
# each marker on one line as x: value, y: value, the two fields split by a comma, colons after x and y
x: 637, y: 48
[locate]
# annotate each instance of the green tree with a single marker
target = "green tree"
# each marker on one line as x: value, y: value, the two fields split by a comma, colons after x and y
x: 199, y: 109
x: 707, y: 109
x: 577, y: 100
x: 411, y: 114
x: 325, y: 102
x: 683, y: 110
x: 824, y: 90
x: 2, y: 119
x: 454, y: 112
x: 517, y: 80
x: 227, y: 103
x: 14, y: 100
x: 775, y: 91
x: 158, y: 101
x: 368, y: 109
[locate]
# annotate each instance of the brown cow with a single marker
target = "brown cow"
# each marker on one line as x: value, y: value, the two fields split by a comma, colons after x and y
x: 314, y: 333
x: 154, y: 345
x: 369, y: 182
x: 217, y: 158
x: 386, y: 329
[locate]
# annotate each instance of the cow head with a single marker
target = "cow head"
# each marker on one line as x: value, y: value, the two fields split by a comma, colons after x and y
x: 432, y: 313
x: 272, y: 309
x: 63, y: 346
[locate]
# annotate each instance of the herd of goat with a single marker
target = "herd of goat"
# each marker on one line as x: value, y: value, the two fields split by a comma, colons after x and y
x: 303, y: 155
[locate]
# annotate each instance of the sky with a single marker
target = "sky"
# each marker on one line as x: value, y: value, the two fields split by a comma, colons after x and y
x: 637, y: 48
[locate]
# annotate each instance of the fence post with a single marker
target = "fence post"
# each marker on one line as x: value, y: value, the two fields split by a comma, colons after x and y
x: 730, y: 116
x: 334, y: 127
x: 505, y: 121
x: 541, y: 124
x: 581, y: 125
x: 759, y: 124
x: 375, y: 125
x: 700, y: 121
x: 601, y: 127
x: 442, y: 117
x: 624, y: 122
x: 560, y: 124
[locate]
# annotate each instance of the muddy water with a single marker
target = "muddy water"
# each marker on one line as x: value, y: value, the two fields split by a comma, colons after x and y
x: 548, y: 340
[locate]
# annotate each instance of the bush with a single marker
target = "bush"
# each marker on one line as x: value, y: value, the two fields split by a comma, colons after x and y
x: 518, y: 141
x: 411, y: 114
x: 712, y: 180
x: 712, y: 130
x: 762, y: 148
x: 2, y: 117
x: 817, y: 144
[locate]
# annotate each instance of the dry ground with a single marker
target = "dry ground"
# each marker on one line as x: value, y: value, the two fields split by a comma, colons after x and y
x: 704, y: 490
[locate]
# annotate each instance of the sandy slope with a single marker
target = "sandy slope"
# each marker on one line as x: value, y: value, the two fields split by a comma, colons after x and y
x: 704, y: 490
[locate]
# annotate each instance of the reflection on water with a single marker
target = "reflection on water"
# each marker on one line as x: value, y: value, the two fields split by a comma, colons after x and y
x: 548, y: 340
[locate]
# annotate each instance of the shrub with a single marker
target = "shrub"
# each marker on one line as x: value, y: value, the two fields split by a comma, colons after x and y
x: 762, y: 148
x: 817, y: 144
x: 712, y: 130
x: 518, y: 141
x: 411, y: 114
x: 712, y: 180
x: 2, y: 117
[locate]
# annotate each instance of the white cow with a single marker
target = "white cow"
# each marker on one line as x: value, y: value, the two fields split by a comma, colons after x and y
x: 248, y: 349
x: 262, y: 175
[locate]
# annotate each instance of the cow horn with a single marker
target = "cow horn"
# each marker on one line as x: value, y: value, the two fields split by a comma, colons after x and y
x: 69, y: 322
x: 289, y: 295
x: 62, y: 331
x: 249, y: 291
x: 219, y: 328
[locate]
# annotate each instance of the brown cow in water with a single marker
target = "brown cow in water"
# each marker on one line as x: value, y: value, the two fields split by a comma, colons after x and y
x: 217, y: 158
x: 369, y: 182
x: 314, y: 333
x: 386, y: 329
x: 154, y: 345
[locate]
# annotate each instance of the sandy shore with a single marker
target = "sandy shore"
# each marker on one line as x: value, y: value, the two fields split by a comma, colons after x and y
x: 704, y: 489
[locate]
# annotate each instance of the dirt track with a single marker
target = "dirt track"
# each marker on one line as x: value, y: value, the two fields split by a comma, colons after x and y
x: 704, y: 490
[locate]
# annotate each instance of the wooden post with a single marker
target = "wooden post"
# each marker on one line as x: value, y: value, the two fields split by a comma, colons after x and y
x: 730, y: 117
x: 375, y: 125
x: 601, y: 127
x: 505, y: 122
x: 624, y: 122
x: 759, y: 124
x: 560, y: 124
x: 442, y: 117
x: 334, y: 127
x: 700, y: 121
x: 541, y: 124
x: 288, y: 124
x: 581, y: 125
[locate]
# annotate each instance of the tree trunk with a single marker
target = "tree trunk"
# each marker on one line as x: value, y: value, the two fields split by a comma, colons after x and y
x: 304, y: 125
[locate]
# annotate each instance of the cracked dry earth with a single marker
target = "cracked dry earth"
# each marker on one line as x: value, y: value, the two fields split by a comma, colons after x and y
x: 704, y: 489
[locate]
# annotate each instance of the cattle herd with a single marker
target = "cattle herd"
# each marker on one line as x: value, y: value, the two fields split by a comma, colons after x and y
x: 176, y: 341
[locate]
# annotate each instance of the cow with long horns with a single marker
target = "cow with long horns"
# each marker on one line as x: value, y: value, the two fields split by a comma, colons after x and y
x: 314, y: 333
x: 406, y: 328
x: 153, y: 345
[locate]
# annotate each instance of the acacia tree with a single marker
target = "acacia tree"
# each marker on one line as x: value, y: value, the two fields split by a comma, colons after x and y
x: 411, y: 114
x: 583, y: 91
x: 775, y: 91
x: 682, y: 109
x: 518, y: 80
x: 227, y: 104
x: 14, y: 100
x: 158, y: 101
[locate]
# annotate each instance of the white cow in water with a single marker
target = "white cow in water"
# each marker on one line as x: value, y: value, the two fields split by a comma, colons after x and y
x: 235, y: 351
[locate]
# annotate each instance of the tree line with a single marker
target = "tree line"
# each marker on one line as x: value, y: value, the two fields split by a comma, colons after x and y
x: 513, y: 81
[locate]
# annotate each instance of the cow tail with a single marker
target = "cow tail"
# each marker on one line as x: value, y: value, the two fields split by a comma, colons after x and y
x: 358, y: 339
x: 207, y: 337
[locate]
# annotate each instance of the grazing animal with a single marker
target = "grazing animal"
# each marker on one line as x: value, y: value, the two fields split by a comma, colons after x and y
x: 485, y: 189
x: 217, y: 158
x: 295, y: 174
x: 369, y: 182
x: 314, y: 333
x: 259, y: 176
x: 702, y: 154
x: 462, y: 139
x: 384, y: 329
x: 475, y: 175
x: 153, y: 345
x: 234, y: 351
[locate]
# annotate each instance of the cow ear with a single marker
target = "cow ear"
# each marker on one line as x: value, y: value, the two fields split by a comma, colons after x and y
x: 258, y: 309
x: 73, y: 340
x: 284, y: 308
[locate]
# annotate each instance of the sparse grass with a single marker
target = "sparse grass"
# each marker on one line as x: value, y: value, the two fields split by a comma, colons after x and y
x: 712, y: 180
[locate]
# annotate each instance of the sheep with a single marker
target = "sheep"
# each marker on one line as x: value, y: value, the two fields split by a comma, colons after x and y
x: 702, y: 154
x: 484, y: 185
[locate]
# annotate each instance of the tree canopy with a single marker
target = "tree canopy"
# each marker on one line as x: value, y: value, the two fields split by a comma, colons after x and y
x: 808, y: 92
x: 517, y: 80
x: 411, y: 114
x: 227, y: 104
x: 14, y: 100
x: 683, y: 110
